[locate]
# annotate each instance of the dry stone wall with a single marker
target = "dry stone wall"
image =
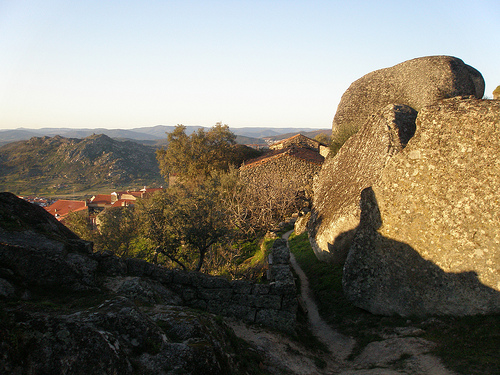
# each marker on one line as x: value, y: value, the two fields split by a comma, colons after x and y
x: 39, y: 253
x: 273, y: 304
x: 286, y: 168
x: 132, y: 322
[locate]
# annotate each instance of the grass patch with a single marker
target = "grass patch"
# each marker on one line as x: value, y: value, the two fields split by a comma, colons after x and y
x: 262, y: 253
x: 255, y: 266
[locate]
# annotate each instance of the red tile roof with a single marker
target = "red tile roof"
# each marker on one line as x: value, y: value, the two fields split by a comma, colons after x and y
x: 63, y: 207
x: 123, y: 203
x: 147, y: 192
x: 101, y: 199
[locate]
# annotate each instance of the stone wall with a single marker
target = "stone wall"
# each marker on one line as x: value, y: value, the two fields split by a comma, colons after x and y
x: 285, y: 168
x: 273, y: 304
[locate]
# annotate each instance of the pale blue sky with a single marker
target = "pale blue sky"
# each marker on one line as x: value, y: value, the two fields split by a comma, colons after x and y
x: 125, y: 64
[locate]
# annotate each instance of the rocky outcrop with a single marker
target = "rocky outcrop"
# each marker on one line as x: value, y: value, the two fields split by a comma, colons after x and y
x: 428, y: 240
x: 416, y: 83
x: 115, y: 337
x: 358, y: 164
x: 39, y: 251
x: 70, y: 310
x: 300, y: 225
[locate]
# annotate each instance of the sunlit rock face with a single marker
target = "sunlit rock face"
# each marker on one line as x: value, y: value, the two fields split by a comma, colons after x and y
x: 429, y: 235
x: 358, y: 164
x: 417, y: 83
x: 366, y: 108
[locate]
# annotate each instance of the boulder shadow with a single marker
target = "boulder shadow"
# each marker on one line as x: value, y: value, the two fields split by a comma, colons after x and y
x: 388, y: 277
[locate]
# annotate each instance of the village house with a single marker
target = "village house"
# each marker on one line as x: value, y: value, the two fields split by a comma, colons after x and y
x: 98, y: 203
x: 296, y: 159
x: 129, y: 196
x: 61, y: 208
x: 300, y: 140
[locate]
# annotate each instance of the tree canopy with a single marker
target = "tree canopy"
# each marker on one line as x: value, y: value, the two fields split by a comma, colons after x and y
x: 195, y: 156
x: 182, y: 222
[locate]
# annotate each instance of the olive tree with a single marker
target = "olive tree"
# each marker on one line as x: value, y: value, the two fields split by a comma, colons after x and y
x: 182, y: 222
x: 80, y: 224
x: 161, y: 225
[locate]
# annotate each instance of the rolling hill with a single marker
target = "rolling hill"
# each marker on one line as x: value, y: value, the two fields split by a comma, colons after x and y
x: 58, y: 165
x: 66, y: 161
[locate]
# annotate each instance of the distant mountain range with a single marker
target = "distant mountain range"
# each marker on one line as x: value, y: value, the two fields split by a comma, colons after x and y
x: 156, y: 135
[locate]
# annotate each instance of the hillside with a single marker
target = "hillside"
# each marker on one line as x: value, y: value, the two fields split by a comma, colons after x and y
x: 61, y: 165
x: 57, y: 165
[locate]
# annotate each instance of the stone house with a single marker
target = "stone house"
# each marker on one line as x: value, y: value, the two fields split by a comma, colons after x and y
x: 300, y: 140
x: 293, y: 161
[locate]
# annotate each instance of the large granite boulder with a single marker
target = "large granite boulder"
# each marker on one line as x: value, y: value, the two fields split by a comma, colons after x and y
x: 358, y: 164
x: 416, y: 83
x: 41, y: 252
x: 496, y: 93
x: 429, y: 236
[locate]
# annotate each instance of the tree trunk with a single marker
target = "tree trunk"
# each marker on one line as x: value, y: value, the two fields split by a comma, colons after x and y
x: 178, y: 262
x: 169, y: 257
x: 200, y: 260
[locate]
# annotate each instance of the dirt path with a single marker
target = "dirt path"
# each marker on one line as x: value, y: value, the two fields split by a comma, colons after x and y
x: 385, y: 353
x: 403, y: 353
x: 339, y: 345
